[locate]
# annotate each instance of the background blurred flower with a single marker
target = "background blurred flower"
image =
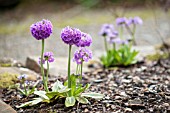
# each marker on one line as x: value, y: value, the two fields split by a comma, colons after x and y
x: 48, y: 56
x: 82, y: 54
x: 71, y: 35
x: 121, y: 21
x: 42, y: 29
x: 86, y: 40
x: 22, y: 77
x: 106, y: 29
x: 135, y: 20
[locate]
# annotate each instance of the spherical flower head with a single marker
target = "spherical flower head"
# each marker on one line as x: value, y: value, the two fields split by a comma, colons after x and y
x: 135, y: 20
x: 22, y: 77
x: 86, y: 40
x: 42, y: 29
x: 70, y: 35
x: 121, y: 21
x: 81, y: 55
x: 106, y: 29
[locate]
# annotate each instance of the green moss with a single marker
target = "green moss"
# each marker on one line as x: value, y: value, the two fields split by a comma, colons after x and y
x: 7, y: 79
x: 5, y: 64
x: 157, y: 56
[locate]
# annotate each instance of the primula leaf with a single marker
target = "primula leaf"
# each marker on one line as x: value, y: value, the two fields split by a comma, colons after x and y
x: 93, y: 95
x: 82, y: 100
x: 81, y: 90
x: 31, y: 91
x: 57, y: 86
x: 41, y: 94
x: 36, y: 101
x: 70, y: 101
x: 24, y: 104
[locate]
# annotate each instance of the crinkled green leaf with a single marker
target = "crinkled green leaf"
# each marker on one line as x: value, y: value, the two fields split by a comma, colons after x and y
x: 42, y: 94
x: 70, y: 101
x: 57, y: 86
x: 81, y: 89
x: 82, y: 100
x: 93, y: 95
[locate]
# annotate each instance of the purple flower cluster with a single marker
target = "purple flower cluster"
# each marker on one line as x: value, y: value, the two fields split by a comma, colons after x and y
x: 48, y: 56
x: 106, y: 29
x: 125, y: 21
x: 135, y: 20
x: 70, y: 35
x: 86, y: 40
x: 121, y: 21
x: 81, y: 55
x: 42, y: 29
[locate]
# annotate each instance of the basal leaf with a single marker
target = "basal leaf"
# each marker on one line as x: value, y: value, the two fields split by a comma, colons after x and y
x: 93, y: 95
x: 82, y: 100
x: 41, y: 94
x: 70, y: 101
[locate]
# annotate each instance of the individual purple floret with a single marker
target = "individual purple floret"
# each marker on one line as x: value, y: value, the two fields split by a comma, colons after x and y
x: 81, y: 55
x: 49, y: 56
x: 135, y: 20
x: 121, y: 21
x: 22, y: 77
x: 106, y: 29
x: 42, y: 29
x: 71, y: 35
x: 86, y: 40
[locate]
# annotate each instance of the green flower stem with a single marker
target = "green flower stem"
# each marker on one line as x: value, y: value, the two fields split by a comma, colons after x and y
x: 25, y: 90
x: 69, y: 63
x: 81, y: 71
x: 114, y: 46
x: 121, y: 32
x: 42, y: 68
x: 77, y: 69
x: 46, y: 84
x: 105, y: 43
x: 133, y: 35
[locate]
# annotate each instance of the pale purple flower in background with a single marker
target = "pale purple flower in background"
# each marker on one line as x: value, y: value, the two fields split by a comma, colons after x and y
x: 48, y: 56
x: 106, y: 29
x: 135, y: 20
x: 39, y: 61
x: 22, y: 77
x: 86, y: 40
x: 70, y: 35
x: 81, y: 55
x: 121, y: 21
x: 42, y: 29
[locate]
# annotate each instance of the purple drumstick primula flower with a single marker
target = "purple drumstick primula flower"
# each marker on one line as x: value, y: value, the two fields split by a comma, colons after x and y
x: 106, y: 29
x: 86, y: 40
x: 71, y: 35
x: 42, y: 29
x: 121, y: 21
x: 135, y: 20
x: 48, y: 56
x: 82, y: 55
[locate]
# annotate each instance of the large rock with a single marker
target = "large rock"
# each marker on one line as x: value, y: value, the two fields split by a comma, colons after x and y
x: 5, y: 108
x: 32, y: 64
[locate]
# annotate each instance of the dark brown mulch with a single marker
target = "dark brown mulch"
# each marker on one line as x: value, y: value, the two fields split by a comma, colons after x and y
x: 141, y: 88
